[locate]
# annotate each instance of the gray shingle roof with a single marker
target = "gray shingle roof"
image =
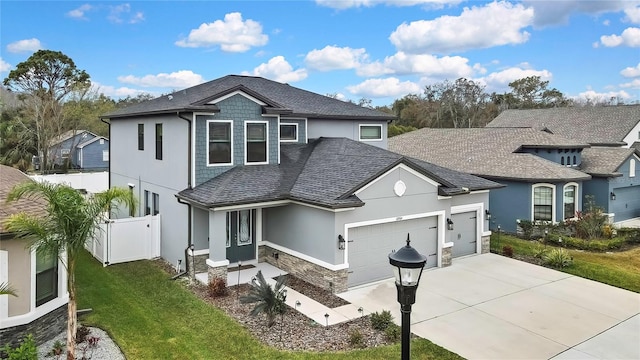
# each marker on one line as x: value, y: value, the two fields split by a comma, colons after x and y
x: 279, y: 97
x: 488, y: 152
x: 594, y: 125
x: 324, y: 172
x: 605, y: 161
x: 10, y: 177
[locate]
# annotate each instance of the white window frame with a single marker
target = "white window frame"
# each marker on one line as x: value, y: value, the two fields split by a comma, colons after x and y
x: 230, y: 122
x: 360, y: 126
x: 288, y: 140
x: 576, y: 199
x: 553, y: 201
x: 632, y: 168
x: 246, y: 153
x: 105, y: 155
x: 64, y: 153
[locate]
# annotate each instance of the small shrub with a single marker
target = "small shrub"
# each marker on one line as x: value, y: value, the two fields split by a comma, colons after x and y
x: 57, y: 349
x: 558, y: 258
x: 27, y: 350
x: 81, y: 334
x: 381, y: 321
x: 527, y: 228
x: 507, y: 250
x: 217, y: 287
x: 393, y: 332
x: 356, y: 339
x: 89, y: 347
x: 539, y: 251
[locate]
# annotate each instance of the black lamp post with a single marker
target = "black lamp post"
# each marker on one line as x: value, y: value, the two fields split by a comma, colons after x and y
x: 407, y: 267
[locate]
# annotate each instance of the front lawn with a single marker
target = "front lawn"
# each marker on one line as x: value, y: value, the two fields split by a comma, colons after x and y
x: 152, y: 317
x: 619, y: 268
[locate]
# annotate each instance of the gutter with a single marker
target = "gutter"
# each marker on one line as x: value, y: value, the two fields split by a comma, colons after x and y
x: 110, y: 157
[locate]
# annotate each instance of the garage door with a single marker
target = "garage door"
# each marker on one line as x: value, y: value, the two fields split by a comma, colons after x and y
x: 369, y: 247
x: 627, y: 203
x: 464, y: 234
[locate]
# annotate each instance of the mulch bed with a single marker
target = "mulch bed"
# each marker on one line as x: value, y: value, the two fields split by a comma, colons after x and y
x: 293, y: 330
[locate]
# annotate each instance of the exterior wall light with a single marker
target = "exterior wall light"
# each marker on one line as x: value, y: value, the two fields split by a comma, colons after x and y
x: 487, y: 215
x: 341, y: 242
x: 613, y: 195
x: 449, y: 224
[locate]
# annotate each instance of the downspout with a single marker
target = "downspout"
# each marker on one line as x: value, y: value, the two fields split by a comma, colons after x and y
x: 109, y: 169
x: 189, y: 220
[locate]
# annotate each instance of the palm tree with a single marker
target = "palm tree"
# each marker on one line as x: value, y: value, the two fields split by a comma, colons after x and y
x: 69, y: 221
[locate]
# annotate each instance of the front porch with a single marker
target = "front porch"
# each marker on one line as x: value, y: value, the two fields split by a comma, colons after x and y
x: 244, y: 275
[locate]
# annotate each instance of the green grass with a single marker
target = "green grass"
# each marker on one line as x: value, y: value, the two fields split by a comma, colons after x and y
x: 620, y: 269
x: 152, y: 317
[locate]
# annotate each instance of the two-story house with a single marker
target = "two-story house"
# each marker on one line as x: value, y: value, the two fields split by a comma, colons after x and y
x: 245, y: 169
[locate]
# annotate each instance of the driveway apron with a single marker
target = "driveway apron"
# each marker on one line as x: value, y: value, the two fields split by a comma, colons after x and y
x: 492, y: 307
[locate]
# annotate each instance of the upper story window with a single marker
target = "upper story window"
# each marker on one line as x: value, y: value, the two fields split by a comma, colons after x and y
x: 370, y: 132
x: 632, y: 168
x: 288, y: 132
x: 147, y: 203
x: 46, y: 278
x: 140, y: 136
x: 256, y: 142
x: 569, y: 201
x: 159, y: 141
x: 220, y: 142
x: 543, y: 202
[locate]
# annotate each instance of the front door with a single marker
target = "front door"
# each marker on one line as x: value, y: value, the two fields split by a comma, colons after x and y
x: 241, y: 245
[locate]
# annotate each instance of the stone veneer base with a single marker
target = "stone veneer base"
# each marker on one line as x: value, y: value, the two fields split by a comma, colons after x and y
x: 43, y: 328
x: 486, y: 244
x: 446, y: 256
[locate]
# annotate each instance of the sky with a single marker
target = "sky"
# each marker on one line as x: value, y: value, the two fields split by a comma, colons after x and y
x: 380, y: 50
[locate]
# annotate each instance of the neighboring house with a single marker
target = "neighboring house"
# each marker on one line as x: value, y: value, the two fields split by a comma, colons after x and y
x: 246, y: 169
x: 80, y: 149
x: 594, y: 125
x: 40, y: 307
x: 540, y: 170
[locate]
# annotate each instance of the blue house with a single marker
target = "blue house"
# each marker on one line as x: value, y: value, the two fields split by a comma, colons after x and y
x: 247, y: 170
x: 80, y: 149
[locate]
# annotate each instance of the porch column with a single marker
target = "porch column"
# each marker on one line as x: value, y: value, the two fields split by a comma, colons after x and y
x: 217, y: 262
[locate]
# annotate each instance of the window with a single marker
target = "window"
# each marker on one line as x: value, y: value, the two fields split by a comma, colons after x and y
x: 256, y: 146
x: 105, y: 155
x: 220, y: 146
x: 542, y: 203
x: 156, y: 204
x: 370, y: 132
x: 159, y: 141
x: 101, y: 141
x: 65, y: 153
x: 46, y: 278
x: 562, y: 160
x: 140, y: 136
x: 147, y: 207
x: 288, y: 132
x: 569, y: 201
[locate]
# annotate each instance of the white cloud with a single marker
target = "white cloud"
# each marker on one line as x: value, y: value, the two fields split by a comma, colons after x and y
x: 499, y: 81
x: 232, y: 34
x: 79, y: 13
x: 631, y: 71
x: 408, y: 64
x: 121, y: 13
x: 591, y: 96
x: 335, y: 58
x: 630, y: 37
x: 558, y: 12
x: 495, y: 24
x: 179, y: 79
x: 278, y: 69
x: 389, y: 87
x: 346, y: 4
x: 634, y: 84
x: 633, y: 15
x: 26, y: 45
x: 120, y: 92
x: 4, y: 66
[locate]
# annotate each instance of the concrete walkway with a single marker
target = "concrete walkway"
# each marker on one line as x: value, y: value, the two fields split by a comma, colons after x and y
x: 492, y: 307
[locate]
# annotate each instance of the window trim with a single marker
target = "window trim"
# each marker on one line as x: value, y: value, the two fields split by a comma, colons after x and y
x: 230, y: 122
x: 553, y: 201
x: 246, y: 152
x: 288, y: 124
x: 576, y: 199
x: 632, y: 168
x: 141, y: 137
x: 360, y: 126
x: 159, y: 140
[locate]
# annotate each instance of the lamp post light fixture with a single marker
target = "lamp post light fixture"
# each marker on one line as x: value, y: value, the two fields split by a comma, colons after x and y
x: 407, y: 264
x: 487, y: 215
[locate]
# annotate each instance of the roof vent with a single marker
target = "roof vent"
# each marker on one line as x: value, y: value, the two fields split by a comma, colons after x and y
x: 170, y: 97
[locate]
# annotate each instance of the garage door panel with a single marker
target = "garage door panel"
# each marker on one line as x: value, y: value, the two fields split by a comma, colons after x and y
x: 627, y: 203
x: 369, y: 247
x: 464, y: 234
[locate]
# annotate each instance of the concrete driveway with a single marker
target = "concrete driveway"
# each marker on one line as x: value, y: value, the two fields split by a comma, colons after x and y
x: 492, y: 307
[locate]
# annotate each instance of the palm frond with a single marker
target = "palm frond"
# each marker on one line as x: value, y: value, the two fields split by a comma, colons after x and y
x: 7, y: 289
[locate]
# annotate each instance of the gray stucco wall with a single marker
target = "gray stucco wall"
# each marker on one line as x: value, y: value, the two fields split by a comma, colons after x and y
x: 344, y: 128
x: 627, y: 203
x: 164, y: 177
x: 92, y: 155
x: 200, y: 229
x: 510, y: 203
x: 599, y: 188
x: 239, y: 109
x: 303, y: 229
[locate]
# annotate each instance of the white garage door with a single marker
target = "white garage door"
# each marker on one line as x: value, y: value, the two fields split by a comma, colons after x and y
x: 369, y: 247
x: 464, y: 234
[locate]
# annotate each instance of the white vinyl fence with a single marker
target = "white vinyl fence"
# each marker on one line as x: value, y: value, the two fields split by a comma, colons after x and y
x: 129, y: 239
x: 93, y: 182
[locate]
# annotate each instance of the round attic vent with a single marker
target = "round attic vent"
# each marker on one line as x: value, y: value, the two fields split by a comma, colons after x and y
x: 399, y: 188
